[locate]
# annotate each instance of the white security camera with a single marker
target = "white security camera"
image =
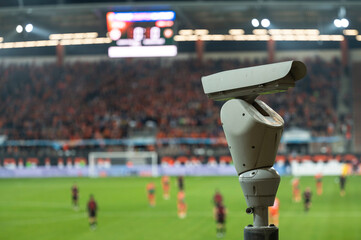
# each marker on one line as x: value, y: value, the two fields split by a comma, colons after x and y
x: 248, y: 83
x: 253, y: 131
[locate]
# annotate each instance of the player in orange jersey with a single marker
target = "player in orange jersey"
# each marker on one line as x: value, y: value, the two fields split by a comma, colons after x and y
x: 151, y: 194
x: 274, y: 212
x: 181, y: 204
x: 166, y: 187
x: 319, y: 187
x: 296, y: 194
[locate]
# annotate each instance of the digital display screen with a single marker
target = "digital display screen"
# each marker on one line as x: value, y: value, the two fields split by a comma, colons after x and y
x: 141, y: 34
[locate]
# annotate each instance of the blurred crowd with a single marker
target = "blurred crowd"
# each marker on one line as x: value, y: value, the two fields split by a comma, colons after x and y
x: 111, y: 99
x: 313, y: 103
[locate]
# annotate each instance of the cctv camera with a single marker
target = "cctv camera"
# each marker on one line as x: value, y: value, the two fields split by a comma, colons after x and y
x: 248, y: 83
x: 253, y: 131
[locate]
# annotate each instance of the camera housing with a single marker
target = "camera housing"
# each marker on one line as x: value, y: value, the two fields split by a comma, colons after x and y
x: 248, y: 83
x: 253, y: 133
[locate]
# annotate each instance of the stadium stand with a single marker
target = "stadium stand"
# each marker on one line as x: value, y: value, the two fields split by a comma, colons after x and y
x: 118, y: 99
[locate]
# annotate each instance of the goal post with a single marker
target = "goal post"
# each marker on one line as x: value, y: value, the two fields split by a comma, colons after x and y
x: 128, y: 163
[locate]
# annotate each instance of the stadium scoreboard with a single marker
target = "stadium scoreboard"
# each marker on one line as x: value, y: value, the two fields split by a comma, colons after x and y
x: 141, y: 34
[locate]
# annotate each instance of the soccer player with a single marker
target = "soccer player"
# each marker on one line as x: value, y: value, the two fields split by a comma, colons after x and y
x: 220, y: 217
x: 180, y: 183
x: 166, y: 187
x: 92, y: 211
x: 75, y: 196
x: 274, y: 212
x: 151, y: 194
x: 345, y: 170
x: 319, y: 187
x: 217, y: 198
x: 181, y: 204
x: 342, y: 185
x: 296, y: 194
x: 307, y: 195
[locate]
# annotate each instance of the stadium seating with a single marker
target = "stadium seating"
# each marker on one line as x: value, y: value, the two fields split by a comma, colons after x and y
x: 117, y: 99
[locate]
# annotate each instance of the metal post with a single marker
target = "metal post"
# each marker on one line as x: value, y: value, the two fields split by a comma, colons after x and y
x: 261, y: 233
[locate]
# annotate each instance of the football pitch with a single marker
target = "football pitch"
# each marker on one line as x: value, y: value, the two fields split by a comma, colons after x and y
x: 41, y: 209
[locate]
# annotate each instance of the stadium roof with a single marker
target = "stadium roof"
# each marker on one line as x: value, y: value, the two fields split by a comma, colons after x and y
x: 71, y: 16
x: 217, y: 16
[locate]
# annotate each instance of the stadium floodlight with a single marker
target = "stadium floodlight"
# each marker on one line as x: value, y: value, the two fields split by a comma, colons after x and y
x: 341, y: 23
x: 253, y: 131
x: 337, y: 23
x: 344, y: 22
x: 255, y: 22
x: 19, y: 29
x: 265, y: 23
x: 29, y: 27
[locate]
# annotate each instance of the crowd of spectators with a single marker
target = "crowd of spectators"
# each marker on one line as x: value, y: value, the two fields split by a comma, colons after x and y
x: 312, y: 105
x: 95, y: 100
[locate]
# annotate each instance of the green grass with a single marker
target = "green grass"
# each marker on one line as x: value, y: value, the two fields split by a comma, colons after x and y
x: 41, y: 209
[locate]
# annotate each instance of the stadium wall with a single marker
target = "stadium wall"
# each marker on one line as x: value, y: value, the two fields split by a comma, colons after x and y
x: 17, y: 167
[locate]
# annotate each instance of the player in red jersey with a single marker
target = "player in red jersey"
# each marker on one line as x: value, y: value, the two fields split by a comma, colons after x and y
x: 92, y: 211
x: 151, y: 194
x: 181, y: 204
x: 342, y: 185
x: 274, y: 212
x: 75, y: 196
x: 319, y: 187
x: 219, y: 212
x: 296, y: 194
x: 180, y: 183
x: 307, y: 196
x: 166, y: 187
x: 217, y: 198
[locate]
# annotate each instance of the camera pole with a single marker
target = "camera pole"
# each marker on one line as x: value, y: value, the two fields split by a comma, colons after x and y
x: 253, y: 145
x: 269, y: 178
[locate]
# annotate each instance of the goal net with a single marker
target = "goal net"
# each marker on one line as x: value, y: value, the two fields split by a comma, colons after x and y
x: 123, y: 164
